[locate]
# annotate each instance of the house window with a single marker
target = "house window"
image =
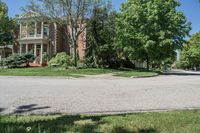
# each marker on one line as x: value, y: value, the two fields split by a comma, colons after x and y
x: 39, y: 24
x: 46, y: 30
x: 23, y: 30
x: 31, y: 29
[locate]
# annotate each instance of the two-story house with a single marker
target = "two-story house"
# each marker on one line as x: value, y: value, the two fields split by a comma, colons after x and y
x: 44, y: 39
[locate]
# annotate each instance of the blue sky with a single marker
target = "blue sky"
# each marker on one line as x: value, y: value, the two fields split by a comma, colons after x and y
x: 191, y: 8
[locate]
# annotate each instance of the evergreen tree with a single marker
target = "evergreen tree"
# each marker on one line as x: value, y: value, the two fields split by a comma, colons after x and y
x: 101, y: 32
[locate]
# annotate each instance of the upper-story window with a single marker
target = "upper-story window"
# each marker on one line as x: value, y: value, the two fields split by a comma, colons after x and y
x: 31, y: 29
x: 46, y: 29
x: 39, y: 24
x: 23, y: 30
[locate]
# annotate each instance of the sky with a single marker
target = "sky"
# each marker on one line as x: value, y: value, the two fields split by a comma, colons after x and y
x: 191, y: 9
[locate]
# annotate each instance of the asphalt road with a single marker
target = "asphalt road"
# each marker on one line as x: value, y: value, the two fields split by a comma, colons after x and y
x: 39, y: 95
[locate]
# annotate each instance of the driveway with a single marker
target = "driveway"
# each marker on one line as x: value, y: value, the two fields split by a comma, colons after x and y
x: 27, y: 95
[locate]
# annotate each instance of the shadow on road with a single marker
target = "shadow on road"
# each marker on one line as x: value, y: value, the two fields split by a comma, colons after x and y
x: 181, y: 73
x: 2, y: 109
x: 29, y: 108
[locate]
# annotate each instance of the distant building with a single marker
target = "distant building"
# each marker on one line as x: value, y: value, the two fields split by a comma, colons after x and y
x: 44, y: 39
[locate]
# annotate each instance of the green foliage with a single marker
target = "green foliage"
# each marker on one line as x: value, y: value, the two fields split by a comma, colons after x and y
x: 16, y: 60
x: 101, y: 32
x: 190, y: 54
x: 81, y: 64
x: 50, y: 71
x: 61, y: 60
x: 6, y: 25
x: 154, y: 122
x: 151, y: 30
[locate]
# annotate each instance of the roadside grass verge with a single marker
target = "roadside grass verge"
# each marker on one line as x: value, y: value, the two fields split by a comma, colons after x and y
x: 136, y: 73
x: 164, y: 122
x: 46, y: 71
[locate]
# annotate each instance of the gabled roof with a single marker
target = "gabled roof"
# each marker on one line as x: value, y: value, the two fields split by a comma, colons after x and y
x: 29, y: 14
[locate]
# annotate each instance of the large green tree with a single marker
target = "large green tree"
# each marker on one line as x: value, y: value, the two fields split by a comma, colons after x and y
x: 101, y: 32
x: 6, y: 25
x: 151, y: 30
x: 190, y: 54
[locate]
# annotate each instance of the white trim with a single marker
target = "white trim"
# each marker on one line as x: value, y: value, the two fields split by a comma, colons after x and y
x: 33, y: 14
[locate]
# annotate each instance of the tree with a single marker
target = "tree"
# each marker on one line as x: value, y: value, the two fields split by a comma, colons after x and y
x: 101, y: 32
x: 190, y: 54
x: 6, y: 25
x: 151, y: 30
x: 73, y: 12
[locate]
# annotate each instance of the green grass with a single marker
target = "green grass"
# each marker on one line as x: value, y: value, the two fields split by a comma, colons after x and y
x: 136, y: 73
x: 46, y: 71
x: 165, y: 122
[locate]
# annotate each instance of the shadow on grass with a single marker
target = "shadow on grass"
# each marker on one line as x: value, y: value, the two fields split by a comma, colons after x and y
x: 124, y: 130
x: 62, y: 124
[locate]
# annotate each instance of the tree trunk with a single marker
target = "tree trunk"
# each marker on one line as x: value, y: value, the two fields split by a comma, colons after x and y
x: 148, y: 63
x: 75, y: 53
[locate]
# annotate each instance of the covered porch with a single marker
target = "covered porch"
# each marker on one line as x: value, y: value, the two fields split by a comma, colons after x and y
x: 39, y: 48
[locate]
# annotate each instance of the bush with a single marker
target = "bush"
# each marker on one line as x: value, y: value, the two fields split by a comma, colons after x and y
x: 16, y: 60
x: 81, y: 64
x: 61, y: 60
x: 1, y: 63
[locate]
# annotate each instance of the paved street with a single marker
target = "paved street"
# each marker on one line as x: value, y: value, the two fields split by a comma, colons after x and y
x: 98, y: 95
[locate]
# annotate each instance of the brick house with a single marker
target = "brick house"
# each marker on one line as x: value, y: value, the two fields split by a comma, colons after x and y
x: 44, y: 39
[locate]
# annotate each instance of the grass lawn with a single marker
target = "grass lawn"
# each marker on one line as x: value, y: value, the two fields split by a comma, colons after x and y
x: 136, y: 73
x: 45, y: 71
x: 164, y: 122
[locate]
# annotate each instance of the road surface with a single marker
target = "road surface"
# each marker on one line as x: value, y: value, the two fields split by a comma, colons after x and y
x: 91, y: 95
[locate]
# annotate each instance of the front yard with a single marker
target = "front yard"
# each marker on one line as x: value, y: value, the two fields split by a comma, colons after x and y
x: 46, y: 71
x: 164, y: 122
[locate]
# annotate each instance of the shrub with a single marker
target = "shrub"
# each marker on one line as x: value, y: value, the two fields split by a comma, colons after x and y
x: 61, y: 60
x: 81, y: 64
x: 16, y: 60
x: 28, y: 58
x: 1, y: 63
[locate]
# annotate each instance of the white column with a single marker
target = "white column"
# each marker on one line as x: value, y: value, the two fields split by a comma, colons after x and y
x: 26, y: 48
x: 20, y: 32
x: 41, y: 54
x: 55, y: 40
x: 42, y: 29
x: 26, y: 30
x: 35, y: 29
x: 20, y: 49
x: 35, y: 50
x: 48, y: 49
